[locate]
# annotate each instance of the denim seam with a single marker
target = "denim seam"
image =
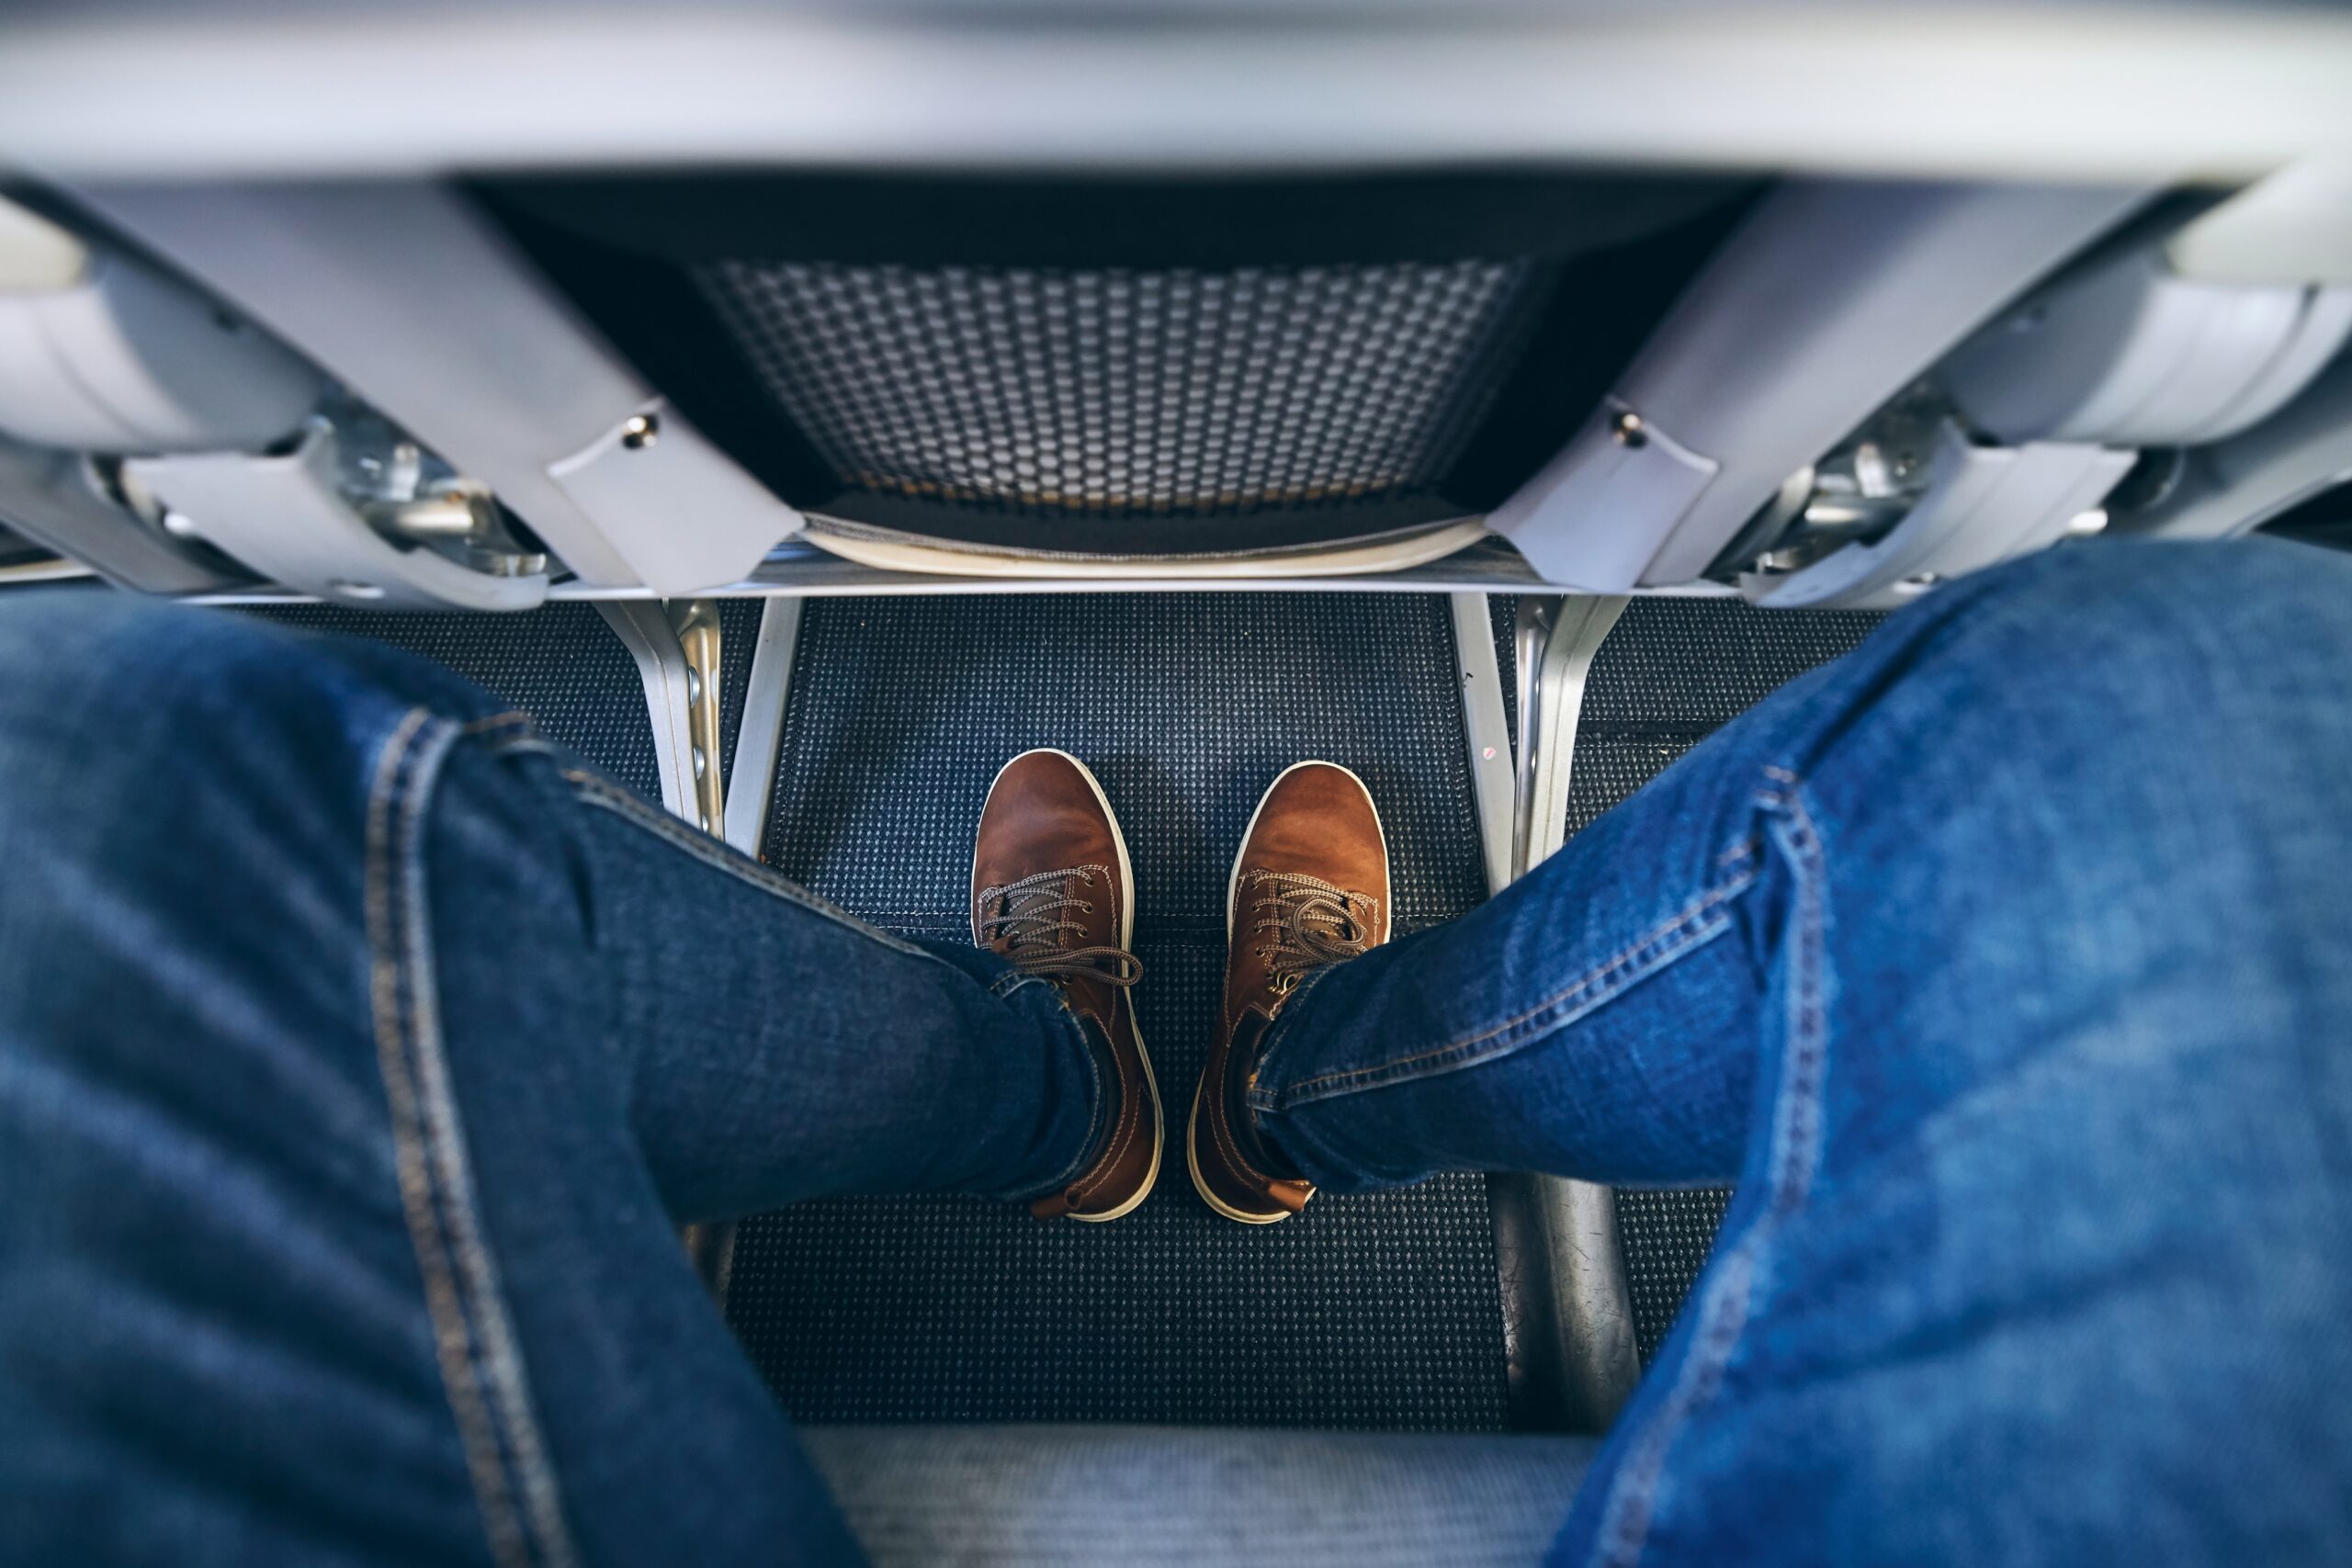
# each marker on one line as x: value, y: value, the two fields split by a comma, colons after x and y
x: 1221, y: 1127
x: 1694, y: 925
x: 1094, y: 1114
x: 599, y: 792
x: 1722, y: 1311
x: 517, y: 743
x: 1012, y: 980
x: 510, y: 1379
x: 594, y: 790
x: 472, y: 1334
x: 1131, y: 1110
x: 512, y: 718
x: 1096, y: 1110
x: 1267, y: 1040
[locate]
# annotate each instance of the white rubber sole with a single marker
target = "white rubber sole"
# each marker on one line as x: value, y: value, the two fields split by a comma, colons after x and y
x: 1192, y: 1163
x: 1232, y: 894
x: 1126, y: 936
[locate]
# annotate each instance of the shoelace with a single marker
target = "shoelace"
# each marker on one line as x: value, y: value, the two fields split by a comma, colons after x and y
x: 1031, y: 916
x: 1304, y: 923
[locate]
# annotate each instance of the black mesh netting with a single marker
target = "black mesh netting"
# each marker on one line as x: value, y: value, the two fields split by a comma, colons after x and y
x: 1120, y: 394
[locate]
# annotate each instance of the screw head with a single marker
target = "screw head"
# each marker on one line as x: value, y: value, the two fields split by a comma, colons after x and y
x: 642, y: 431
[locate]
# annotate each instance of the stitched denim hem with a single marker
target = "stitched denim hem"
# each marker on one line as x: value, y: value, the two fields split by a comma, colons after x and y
x: 1701, y: 920
x: 1255, y: 1100
x: 1098, y: 1102
x: 593, y: 789
x: 1726, y: 1294
x: 481, y: 1366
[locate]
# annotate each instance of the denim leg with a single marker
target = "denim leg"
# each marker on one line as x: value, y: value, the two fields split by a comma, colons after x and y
x: 2002, y: 964
x: 357, y: 1056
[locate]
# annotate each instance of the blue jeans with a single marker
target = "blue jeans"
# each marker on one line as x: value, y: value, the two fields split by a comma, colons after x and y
x: 359, y: 1055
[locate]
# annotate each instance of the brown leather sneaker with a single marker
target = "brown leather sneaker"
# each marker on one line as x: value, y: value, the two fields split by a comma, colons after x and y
x: 1052, y: 892
x: 1310, y: 887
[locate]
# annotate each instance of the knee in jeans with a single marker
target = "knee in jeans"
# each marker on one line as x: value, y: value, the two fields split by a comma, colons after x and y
x: 2177, y: 667
x: 2233, y: 607
x: 2131, y: 751
x: 181, y: 795
x: 151, y: 752
x: 107, y: 701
